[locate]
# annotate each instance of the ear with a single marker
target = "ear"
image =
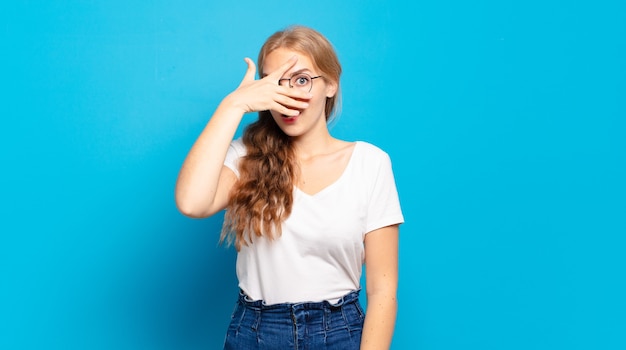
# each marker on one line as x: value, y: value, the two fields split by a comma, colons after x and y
x: 331, y: 89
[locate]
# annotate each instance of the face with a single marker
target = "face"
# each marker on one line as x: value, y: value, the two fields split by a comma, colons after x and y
x: 312, y: 118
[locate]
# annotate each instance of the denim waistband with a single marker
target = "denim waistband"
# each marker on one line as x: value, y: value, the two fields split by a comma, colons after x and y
x: 321, y: 305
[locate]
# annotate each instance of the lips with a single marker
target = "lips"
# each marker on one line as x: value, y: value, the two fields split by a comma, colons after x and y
x: 288, y: 119
x: 291, y: 119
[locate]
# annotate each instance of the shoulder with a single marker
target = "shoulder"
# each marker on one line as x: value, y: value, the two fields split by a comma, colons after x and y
x: 238, y: 147
x: 370, y: 151
x: 236, y: 151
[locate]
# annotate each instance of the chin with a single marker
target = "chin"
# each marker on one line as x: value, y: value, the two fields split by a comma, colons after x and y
x: 291, y: 131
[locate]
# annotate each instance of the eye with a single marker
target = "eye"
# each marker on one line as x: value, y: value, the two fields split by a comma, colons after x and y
x: 300, y: 80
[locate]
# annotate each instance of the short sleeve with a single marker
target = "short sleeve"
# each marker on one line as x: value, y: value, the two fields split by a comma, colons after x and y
x: 236, y: 151
x: 384, y: 204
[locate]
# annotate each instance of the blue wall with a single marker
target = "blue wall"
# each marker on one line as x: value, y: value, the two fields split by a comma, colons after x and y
x: 504, y: 120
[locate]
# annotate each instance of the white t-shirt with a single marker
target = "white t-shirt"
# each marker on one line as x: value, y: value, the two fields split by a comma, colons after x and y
x: 320, y: 254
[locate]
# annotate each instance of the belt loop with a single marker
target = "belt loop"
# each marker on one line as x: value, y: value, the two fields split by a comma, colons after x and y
x: 257, y: 324
x: 327, y: 317
x: 257, y: 319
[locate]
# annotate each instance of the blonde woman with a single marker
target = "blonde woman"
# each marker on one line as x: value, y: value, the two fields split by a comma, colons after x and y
x: 304, y: 210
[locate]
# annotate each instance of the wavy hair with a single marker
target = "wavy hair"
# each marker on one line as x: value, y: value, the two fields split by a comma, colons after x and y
x: 262, y: 198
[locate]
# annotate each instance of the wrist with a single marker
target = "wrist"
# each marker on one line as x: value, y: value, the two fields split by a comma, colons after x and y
x: 231, y: 102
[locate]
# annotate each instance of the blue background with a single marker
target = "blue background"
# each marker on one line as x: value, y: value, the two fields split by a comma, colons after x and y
x: 504, y: 121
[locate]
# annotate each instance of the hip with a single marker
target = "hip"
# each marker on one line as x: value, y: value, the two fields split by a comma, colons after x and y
x: 308, y: 325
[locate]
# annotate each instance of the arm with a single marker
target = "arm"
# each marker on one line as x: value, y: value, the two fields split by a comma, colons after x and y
x: 204, y: 183
x: 381, y: 259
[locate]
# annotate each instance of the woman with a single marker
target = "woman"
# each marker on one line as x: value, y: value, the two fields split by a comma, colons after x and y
x: 304, y: 209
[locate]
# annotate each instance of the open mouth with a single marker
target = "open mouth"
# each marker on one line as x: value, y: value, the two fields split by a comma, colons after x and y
x: 288, y: 119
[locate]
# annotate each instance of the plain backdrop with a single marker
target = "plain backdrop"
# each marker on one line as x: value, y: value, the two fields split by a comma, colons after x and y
x: 504, y: 121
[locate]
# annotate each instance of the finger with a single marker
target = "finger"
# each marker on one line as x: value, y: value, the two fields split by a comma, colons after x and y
x: 294, y: 93
x: 284, y: 68
x: 292, y: 102
x: 285, y: 110
x: 250, y: 72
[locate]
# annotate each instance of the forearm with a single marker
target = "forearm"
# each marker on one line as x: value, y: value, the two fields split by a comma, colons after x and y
x: 200, y: 191
x: 197, y: 183
x: 380, y: 321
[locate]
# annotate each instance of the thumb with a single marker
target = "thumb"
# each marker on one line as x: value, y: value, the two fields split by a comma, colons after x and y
x: 249, y: 76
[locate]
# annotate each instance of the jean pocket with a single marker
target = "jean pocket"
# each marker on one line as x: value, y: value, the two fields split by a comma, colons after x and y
x: 359, y: 310
x: 353, y: 316
x: 236, y: 317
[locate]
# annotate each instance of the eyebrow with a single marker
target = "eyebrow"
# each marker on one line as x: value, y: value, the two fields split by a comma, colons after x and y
x: 293, y: 73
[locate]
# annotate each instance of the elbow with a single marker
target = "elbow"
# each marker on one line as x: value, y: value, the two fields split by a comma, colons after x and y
x: 191, y: 212
x: 383, y: 289
x: 190, y: 208
x: 389, y: 294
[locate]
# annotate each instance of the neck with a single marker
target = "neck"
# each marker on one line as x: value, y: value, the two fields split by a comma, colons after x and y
x: 310, y: 146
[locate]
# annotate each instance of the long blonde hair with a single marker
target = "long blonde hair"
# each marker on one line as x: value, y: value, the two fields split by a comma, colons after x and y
x: 262, y: 198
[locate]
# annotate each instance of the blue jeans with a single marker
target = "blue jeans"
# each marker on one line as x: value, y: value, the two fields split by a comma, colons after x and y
x: 314, y: 326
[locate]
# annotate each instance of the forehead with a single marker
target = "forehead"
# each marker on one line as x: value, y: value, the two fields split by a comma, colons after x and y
x: 278, y: 57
